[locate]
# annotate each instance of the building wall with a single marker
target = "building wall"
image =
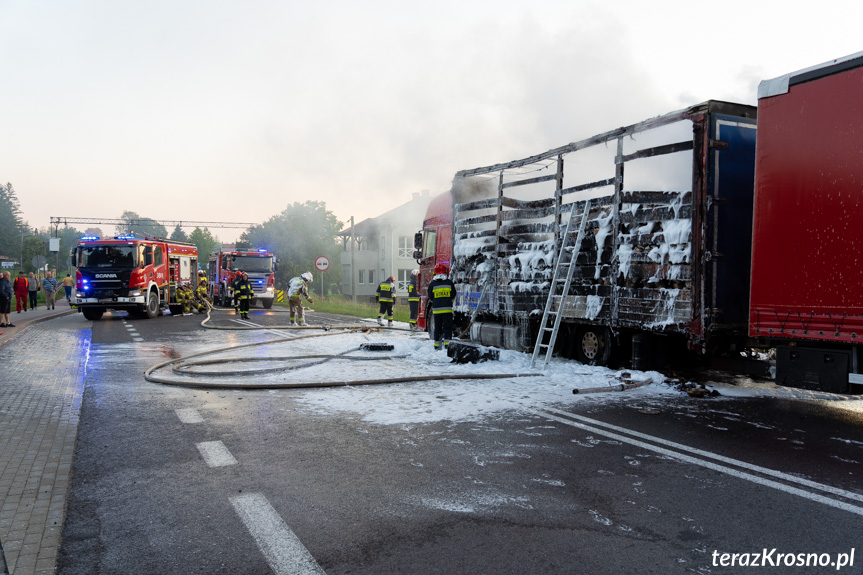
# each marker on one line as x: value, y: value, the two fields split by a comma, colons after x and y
x: 384, y: 248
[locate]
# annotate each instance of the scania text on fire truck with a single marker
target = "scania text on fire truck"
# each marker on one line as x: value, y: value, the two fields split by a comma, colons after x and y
x: 137, y: 274
x: 259, y: 264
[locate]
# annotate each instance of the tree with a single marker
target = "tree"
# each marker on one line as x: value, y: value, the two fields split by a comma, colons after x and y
x: 93, y: 232
x: 12, y: 227
x: 141, y: 226
x: 206, y: 243
x: 297, y: 236
x: 33, y: 247
x: 178, y: 235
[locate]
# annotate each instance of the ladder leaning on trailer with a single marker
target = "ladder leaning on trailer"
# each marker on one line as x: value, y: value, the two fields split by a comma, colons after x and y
x: 559, y: 289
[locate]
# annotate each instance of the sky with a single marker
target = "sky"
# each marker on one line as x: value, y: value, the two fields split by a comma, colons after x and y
x: 230, y: 111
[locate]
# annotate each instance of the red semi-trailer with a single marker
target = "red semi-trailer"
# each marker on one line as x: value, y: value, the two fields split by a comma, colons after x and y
x: 807, y: 238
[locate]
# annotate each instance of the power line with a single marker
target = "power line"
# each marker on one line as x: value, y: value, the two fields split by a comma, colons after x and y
x: 65, y: 221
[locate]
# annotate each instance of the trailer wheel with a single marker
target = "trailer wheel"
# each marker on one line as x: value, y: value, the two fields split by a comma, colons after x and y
x: 593, y: 345
x: 93, y: 313
x: 152, y: 304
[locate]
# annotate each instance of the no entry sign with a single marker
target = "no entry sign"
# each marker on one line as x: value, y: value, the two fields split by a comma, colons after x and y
x: 322, y: 263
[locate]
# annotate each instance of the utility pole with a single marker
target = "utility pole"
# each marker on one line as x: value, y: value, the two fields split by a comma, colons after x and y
x: 353, y: 269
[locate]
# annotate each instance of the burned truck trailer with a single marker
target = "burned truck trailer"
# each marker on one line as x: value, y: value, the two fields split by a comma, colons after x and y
x: 639, y: 235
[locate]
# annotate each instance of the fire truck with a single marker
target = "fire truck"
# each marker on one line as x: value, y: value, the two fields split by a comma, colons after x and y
x: 259, y: 264
x: 137, y: 274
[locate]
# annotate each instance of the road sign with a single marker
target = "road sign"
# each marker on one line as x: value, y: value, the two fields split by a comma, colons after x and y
x: 38, y: 261
x: 322, y: 263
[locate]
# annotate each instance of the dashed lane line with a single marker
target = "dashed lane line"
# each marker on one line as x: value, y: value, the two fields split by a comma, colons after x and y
x: 189, y: 415
x: 215, y: 454
x: 280, y: 546
x: 696, y: 461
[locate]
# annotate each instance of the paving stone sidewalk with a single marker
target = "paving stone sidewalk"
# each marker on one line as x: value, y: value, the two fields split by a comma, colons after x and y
x: 40, y: 398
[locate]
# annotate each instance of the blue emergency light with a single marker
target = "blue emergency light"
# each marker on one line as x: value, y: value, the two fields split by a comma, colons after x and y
x: 262, y: 250
x: 90, y: 238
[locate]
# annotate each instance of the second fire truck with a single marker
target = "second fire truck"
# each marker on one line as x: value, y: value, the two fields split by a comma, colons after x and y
x: 259, y: 264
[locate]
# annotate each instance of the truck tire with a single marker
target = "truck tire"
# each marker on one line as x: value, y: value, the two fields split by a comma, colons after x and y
x: 430, y: 322
x: 267, y: 303
x: 153, y: 304
x: 593, y: 345
x: 93, y: 313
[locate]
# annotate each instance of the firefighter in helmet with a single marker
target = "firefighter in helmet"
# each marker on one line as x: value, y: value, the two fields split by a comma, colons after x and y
x: 243, y: 291
x: 414, y: 298
x: 386, y: 294
x: 202, y: 299
x: 296, y: 288
x: 441, y: 293
x: 184, y: 298
x: 238, y: 277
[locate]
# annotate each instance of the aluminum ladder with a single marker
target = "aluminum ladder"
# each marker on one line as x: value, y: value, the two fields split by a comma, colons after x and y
x: 551, y: 315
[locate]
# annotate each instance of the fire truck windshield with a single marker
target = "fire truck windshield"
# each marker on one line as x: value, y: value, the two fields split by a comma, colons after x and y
x: 96, y: 256
x: 252, y: 263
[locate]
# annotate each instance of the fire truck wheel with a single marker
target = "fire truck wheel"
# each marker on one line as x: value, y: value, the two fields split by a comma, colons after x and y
x: 93, y: 313
x: 593, y: 345
x: 267, y: 303
x: 153, y: 304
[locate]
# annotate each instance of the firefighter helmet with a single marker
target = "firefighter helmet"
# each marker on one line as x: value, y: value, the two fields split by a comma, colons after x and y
x: 440, y: 269
x: 307, y: 276
x: 391, y: 279
x: 415, y: 272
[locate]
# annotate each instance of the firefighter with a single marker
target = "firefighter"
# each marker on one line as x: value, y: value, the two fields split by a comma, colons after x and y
x: 243, y: 291
x: 238, y: 277
x: 202, y: 299
x: 441, y: 293
x: 183, y: 299
x: 297, y: 287
x: 414, y: 298
x: 386, y: 295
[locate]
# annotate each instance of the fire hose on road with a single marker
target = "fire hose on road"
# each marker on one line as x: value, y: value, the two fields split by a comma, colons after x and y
x: 184, y: 366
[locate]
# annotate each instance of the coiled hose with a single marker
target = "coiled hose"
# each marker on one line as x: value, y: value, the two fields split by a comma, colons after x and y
x: 183, y: 365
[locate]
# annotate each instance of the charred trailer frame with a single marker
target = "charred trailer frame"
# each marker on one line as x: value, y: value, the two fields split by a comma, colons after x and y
x: 666, y: 253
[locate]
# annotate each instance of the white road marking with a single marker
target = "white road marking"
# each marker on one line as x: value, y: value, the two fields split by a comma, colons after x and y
x: 278, y: 332
x: 189, y: 415
x: 282, y: 549
x: 215, y: 454
x: 710, y: 465
x: 723, y: 459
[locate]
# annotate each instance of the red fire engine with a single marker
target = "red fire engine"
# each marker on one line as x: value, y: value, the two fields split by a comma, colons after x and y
x: 138, y: 274
x: 259, y: 264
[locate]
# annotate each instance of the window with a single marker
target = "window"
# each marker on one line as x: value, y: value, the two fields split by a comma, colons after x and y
x: 372, y: 277
x: 404, y: 281
x: 406, y: 247
x: 157, y: 259
x: 429, y: 244
x: 361, y: 274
